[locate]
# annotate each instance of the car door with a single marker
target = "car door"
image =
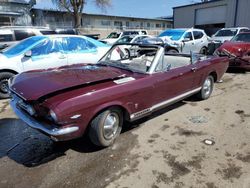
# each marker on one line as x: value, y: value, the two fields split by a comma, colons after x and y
x: 188, y: 43
x: 175, y: 83
x: 80, y: 50
x: 47, y: 54
x: 200, y: 40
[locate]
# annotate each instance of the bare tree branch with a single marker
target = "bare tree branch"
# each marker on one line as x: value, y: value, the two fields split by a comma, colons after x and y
x: 75, y: 7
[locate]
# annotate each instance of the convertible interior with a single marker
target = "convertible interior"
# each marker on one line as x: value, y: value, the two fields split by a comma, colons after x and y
x: 140, y: 59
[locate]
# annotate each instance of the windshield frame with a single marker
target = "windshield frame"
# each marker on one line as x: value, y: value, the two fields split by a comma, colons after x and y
x: 150, y: 70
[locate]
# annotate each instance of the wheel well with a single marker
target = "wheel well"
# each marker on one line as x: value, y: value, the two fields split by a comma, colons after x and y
x: 171, y: 48
x: 8, y: 70
x: 214, y: 75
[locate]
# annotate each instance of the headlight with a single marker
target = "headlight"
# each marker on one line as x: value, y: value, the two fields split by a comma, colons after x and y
x: 53, y: 116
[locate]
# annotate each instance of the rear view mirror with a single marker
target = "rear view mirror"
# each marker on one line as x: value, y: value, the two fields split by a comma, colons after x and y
x: 28, y: 53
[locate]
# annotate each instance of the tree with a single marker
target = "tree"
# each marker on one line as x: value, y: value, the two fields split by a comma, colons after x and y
x: 75, y: 7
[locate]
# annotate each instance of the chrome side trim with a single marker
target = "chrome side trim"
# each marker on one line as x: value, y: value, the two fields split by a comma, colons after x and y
x: 51, y: 130
x: 140, y: 113
x: 162, y: 104
x: 179, y: 97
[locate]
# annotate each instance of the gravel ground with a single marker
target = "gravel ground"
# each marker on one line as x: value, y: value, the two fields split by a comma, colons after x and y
x: 167, y: 149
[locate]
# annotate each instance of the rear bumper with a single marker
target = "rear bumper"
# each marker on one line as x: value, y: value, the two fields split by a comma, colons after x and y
x: 56, y: 133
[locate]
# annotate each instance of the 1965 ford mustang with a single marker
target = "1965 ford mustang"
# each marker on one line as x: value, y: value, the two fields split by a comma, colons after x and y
x: 128, y: 83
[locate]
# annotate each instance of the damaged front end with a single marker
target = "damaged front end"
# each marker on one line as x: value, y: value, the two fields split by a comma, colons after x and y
x: 237, y: 58
x: 42, y: 119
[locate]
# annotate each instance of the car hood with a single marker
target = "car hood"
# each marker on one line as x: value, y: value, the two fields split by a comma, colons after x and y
x: 36, y: 84
x: 235, y: 48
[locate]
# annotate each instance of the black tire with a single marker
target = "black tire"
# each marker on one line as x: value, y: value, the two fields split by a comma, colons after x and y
x: 204, y: 51
x: 207, y: 88
x: 172, y: 51
x: 4, y: 77
x: 97, y: 133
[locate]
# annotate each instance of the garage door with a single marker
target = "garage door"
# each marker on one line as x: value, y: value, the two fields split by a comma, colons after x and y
x: 210, y: 15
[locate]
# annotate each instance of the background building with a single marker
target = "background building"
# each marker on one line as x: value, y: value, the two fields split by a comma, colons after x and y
x: 213, y: 15
x: 98, y: 23
x: 15, y: 12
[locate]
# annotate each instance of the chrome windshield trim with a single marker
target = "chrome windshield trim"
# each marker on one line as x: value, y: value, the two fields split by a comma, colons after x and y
x: 158, y: 57
x: 51, y: 130
x: 170, y: 101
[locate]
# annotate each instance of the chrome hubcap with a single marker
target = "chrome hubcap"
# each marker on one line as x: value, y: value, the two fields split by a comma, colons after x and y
x: 207, y: 87
x: 111, y: 125
x: 4, y: 86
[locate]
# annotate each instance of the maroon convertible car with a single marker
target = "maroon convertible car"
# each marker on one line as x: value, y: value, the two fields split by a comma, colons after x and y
x: 129, y: 82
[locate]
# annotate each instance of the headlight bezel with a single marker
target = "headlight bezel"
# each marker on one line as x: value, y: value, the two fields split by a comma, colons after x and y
x: 53, y: 116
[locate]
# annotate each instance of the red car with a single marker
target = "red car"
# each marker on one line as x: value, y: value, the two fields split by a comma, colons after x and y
x: 129, y: 82
x: 238, y: 50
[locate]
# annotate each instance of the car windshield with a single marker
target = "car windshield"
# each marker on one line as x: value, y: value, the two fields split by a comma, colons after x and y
x: 113, y: 35
x: 134, y: 58
x: 242, y: 37
x: 172, y: 34
x: 125, y: 39
x: 226, y: 33
x: 22, y: 46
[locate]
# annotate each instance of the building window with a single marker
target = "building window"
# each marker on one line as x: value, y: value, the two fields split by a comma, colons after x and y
x: 117, y: 23
x: 105, y: 22
x: 127, y: 24
x: 169, y: 25
x: 158, y: 25
x: 148, y: 24
x: 141, y: 24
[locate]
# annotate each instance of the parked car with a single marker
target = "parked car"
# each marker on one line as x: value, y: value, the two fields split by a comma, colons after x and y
x: 132, y: 39
x: 238, y: 50
x: 66, y: 31
x: 43, y: 52
x: 97, y: 99
x: 226, y: 34
x: 10, y: 35
x: 222, y: 35
x: 115, y: 36
x: 186, y: 40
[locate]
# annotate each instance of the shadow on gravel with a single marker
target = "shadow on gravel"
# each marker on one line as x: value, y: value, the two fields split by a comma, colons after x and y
x: 236, y: 70
x: 31, y: 148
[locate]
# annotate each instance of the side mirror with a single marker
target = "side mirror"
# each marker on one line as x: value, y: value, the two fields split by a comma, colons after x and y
x: 28, y: 53
x: 186, y: 40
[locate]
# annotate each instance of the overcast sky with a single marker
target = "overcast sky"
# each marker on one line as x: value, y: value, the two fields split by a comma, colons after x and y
x: 135, y: 8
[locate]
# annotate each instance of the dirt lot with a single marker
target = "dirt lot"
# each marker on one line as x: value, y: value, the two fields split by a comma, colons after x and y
x: 164, y: 150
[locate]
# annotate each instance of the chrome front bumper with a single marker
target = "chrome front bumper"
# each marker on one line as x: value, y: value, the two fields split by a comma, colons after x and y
x: 49, y: 129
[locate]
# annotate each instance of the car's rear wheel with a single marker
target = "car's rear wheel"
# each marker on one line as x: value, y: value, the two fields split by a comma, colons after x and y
x: 106, y: 127
x: 4, y: 77
x: 207, y: 88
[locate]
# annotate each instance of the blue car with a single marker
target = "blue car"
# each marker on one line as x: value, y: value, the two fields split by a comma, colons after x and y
x: 43, y: 52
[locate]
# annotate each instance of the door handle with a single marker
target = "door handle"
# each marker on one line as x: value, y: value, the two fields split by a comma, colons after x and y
x: 193, y: 69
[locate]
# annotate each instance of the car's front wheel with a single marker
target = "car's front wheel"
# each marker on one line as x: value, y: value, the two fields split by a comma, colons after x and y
x: 207, y: 88
x: 106, y: 127
x: 4, y: 77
